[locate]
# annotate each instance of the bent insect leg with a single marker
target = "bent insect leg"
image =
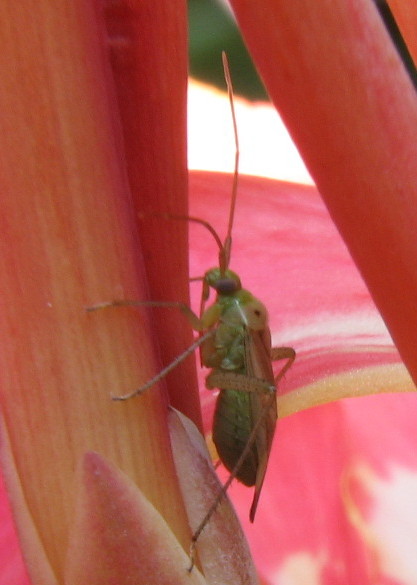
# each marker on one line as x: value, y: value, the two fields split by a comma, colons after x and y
x: 160, y: 375
x: 283, y: 353
x: 195, y: 322
x: 241, y: 382
x: 245, y: 383
x: 235, y: 470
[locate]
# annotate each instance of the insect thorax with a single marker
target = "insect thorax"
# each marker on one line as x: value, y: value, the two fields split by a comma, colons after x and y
x: 233, y: 317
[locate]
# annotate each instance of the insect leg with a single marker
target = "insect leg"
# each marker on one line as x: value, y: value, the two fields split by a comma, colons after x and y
x: 283, y: 353
x: 160, y: 375
x: 245, y: 383
x: 241, y: 382
x: 195, y: 322
x: 233, y: 474
x: 185, y: 309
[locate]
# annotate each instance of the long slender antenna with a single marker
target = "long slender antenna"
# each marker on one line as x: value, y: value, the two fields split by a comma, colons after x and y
x: 202, y: 222
x: 228, y: 241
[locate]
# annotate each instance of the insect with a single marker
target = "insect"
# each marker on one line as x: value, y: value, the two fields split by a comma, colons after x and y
x: 235, y: 343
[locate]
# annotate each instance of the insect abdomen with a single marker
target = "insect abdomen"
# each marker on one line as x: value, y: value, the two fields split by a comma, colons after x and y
x: 232, y: 426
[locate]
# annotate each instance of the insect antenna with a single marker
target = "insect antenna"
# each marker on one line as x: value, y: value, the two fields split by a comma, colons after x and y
x: 224, y: 247
x: 224, y: 256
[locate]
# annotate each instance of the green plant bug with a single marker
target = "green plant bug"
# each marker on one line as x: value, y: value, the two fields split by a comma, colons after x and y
x: 235, y: 344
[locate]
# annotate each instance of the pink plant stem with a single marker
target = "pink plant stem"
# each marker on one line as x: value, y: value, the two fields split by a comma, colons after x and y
x: 335, y: 77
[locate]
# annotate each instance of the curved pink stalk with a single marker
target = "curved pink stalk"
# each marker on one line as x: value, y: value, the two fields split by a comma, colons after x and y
x: 333, y: 73
x: 405, y: 14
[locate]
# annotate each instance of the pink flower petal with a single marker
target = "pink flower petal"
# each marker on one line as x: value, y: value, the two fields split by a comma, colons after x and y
x: 288, y: 252
x: 11, y: 562
x: 388, y: 524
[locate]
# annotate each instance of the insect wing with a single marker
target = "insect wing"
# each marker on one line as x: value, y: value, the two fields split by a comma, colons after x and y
x: 263, y: 404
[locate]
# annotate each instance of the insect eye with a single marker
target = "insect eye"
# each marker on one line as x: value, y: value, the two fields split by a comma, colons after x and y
x: 226, y: 286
